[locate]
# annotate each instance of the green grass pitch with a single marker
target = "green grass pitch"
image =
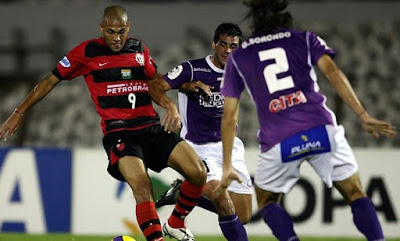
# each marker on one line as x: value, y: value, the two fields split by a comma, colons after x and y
x: 69, y: 237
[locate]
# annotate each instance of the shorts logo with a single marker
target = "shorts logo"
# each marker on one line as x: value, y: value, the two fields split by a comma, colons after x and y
x: 120, y: 146
x: 126, y: 74
x: 249, y: 183
x: 140, y: 59
x: 65, y: 62
x: 305, y: 143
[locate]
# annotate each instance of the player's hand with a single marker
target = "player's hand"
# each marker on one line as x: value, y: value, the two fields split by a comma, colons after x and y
x: 377, y: 127
x: 10, y: 126
x: 198, y: 86
x: 228, y: 176
x: 172, y: 119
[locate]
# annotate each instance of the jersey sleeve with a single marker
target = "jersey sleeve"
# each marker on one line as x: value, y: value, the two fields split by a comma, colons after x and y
x: 179, y: 75
x: 150, y: 68
x: 72, y: 65
x: 232, y: 84
x: 318, y: 47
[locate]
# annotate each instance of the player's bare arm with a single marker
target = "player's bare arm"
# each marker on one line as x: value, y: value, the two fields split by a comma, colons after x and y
x: 228, y: 133
x: 196, y: 86
x: 342, y: 85
x: 158, y: 88
x: 12, y: 124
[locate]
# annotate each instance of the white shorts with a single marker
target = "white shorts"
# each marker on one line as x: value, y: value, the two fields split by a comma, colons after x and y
x: 211, y: 154
x: 336, y: 165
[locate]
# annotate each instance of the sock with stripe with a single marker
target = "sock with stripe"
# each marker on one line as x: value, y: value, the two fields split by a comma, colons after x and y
x: 279, y: 222
x: 206, y: 204
x: 148, y: 221
x: 189, y: 196
x: 232, y: 228
x: 366, y: 220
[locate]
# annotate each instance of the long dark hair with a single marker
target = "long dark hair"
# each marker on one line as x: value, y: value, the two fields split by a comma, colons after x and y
x: 267, y: 16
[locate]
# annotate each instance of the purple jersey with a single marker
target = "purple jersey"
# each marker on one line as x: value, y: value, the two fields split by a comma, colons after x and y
x: 277, y: 70
x: 201, y: 120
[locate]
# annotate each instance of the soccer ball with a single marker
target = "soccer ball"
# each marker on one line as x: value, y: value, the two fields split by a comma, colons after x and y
x: 123, y: 238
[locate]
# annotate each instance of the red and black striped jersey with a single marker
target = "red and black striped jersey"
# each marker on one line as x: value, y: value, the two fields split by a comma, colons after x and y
x: 117, y: 82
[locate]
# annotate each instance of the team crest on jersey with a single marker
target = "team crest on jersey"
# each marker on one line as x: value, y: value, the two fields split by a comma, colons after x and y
x: 65, y: 62
x: 140, y: 59
x: 126, y: 73
x: 173, y: 74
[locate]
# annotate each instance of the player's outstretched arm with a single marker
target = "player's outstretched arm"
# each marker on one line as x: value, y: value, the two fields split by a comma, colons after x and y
x: 158, y: 88
x: 342, y: 86
x: 228, y: 133
x: 11, y: 125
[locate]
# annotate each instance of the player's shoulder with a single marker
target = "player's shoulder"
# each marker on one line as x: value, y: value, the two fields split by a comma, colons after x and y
x: 194, y: 63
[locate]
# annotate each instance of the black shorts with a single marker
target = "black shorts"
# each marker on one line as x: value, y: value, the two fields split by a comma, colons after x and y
x: 152, y: 144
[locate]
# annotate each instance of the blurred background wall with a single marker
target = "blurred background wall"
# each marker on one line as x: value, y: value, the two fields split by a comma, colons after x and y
x: 36, y: 34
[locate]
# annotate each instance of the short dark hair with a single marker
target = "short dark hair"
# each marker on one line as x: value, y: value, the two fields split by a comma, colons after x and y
x: 268, y: 16
x: 229, y: 29
x: 114, y: 12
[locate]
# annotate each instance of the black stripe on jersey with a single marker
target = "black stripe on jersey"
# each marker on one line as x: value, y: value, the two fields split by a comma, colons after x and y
x: 124, y: 101
x: 94, y: 49
x: 115, y: 74
x: 131, y: 123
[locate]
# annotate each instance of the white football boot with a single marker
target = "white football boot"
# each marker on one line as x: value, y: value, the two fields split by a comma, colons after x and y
x: 180, y: 234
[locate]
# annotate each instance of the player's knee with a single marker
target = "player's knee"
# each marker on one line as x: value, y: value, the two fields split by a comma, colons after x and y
x: 198, y: 174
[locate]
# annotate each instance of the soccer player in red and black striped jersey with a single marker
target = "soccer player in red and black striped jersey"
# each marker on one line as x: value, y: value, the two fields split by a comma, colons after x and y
x: 117, y: 70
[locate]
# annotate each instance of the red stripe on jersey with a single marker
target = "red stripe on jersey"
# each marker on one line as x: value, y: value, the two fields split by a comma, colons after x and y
x: 117, y: 75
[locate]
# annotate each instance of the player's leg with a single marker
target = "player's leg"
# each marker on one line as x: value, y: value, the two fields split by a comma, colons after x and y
x: 274, y: 215
x: 241, y: 193
x: 135, y: 174
x: 229, y: 222
x: 243, y: 205
x: 339, y: 168
x: 272, y: 178
x: 125, y: 156
x: 364, y: 213
x: 185, y: 160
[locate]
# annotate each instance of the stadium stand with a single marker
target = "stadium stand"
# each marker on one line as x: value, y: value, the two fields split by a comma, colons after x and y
x: 367, y: 52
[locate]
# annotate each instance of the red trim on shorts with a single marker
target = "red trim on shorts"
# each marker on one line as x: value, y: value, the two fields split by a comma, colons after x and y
x: 113, y: 158
x: 133, y: 128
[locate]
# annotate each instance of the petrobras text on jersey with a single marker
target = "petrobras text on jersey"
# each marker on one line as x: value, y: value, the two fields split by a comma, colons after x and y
x: 265, y: 38
x: 125, y: 88
x: 216, y: 100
